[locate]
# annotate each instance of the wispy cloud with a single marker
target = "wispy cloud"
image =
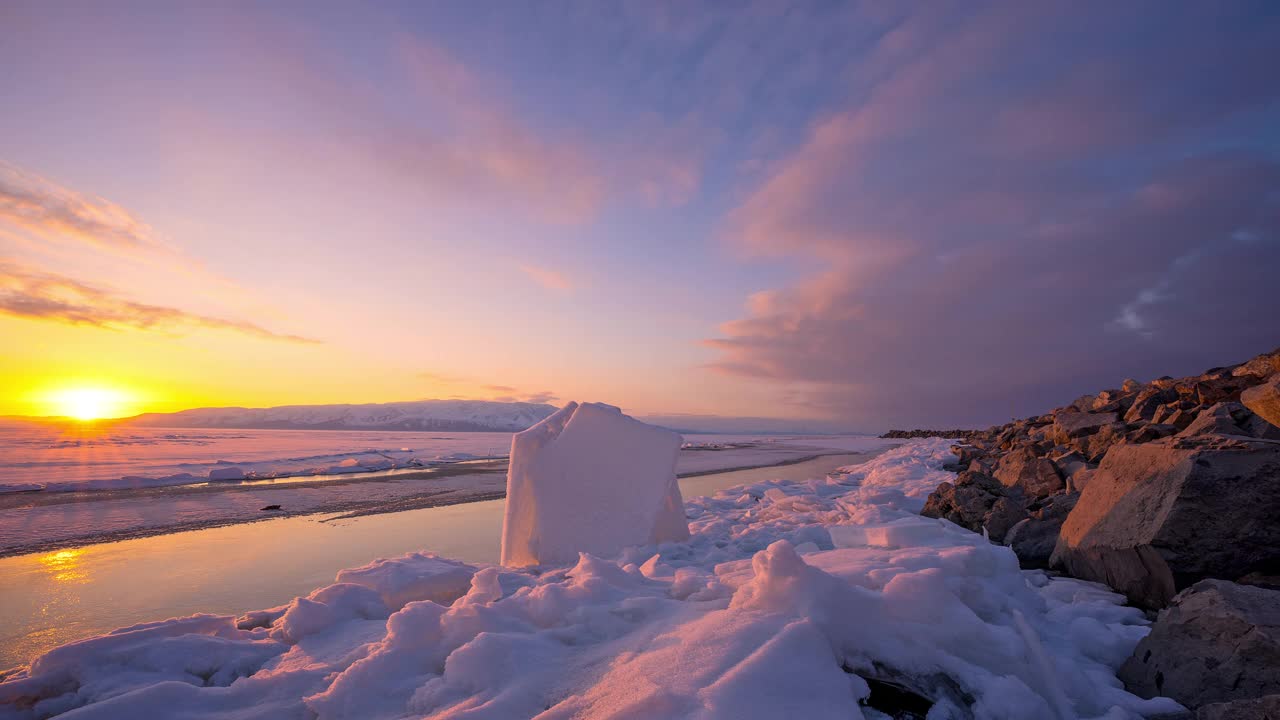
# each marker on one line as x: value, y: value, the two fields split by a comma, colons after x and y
x: 545, y: 396
x: 39, y: 295
x: 46, y: 208
x: 441, y: 378
x: 548, y: 278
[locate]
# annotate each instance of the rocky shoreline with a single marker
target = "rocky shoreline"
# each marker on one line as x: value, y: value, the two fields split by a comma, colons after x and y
x: 1168, y: 492
x: 921, y: 433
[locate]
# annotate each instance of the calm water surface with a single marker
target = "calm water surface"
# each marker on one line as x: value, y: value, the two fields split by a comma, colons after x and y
x: 51, y: 598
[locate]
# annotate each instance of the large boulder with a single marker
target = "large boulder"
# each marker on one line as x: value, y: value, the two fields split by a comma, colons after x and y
x: 1264, y: 400
x: 1216, y: 642
x: 590, y: 479
x: 1035, y: 476
x: 1155, y: 518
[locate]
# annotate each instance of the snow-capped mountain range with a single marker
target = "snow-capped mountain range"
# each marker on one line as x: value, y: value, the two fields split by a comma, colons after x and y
x: 443, y: 415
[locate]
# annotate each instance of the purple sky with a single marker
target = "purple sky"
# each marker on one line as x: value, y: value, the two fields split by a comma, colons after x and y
x: 872, y: 214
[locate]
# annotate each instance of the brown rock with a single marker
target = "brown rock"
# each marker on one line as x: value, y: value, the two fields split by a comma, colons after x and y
x: 1264, y: 365
x: 1096, y: 445
x: 1035, y: 476
x: 1219, y: 419
x: 1131, y: 386
x: 1157, y: 517
x: 1264, y: 400
x: 1145, y: 404
x: 1151, y: 431
x: 1179, y: 414
x: 1216, y: 642
x: 1069, y: 424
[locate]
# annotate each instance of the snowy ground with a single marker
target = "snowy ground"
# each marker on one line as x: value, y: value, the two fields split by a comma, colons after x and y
x: 787, y: 596
x: 37, y: 521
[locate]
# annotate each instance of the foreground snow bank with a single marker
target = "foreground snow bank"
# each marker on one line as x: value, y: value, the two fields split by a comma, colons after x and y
x: 790, y: 599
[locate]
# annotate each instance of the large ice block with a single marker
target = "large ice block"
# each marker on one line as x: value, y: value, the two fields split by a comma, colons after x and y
x: 590, y: 479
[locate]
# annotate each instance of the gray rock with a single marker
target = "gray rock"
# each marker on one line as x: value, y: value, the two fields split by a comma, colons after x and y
x: 1264, y: 400
x: 1034, y: 538
x: 1157, y: 517
x: 966, y: 502
x: 1069, y: 462
x: 1216, y: 642
x: 1263, y: 708
x: 1005, y: 513
x: 1035, y: 476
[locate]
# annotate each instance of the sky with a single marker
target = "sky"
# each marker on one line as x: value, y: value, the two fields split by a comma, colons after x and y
x: 860, y: 215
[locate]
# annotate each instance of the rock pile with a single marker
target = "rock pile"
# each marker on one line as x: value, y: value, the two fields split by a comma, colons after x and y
x: 1153, y: 485
x: 1167, y: 491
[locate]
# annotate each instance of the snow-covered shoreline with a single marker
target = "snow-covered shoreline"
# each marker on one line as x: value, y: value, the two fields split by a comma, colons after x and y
x: 44, y: 521
x: 789, y: 598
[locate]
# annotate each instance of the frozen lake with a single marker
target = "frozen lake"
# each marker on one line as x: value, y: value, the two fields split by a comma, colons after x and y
x: 67, y: 489
x: 47, y: 599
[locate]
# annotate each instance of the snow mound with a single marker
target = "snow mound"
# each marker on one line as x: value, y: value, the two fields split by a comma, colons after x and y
x: 590, y: 479
x: 735, y: 623
x: 417, y: 576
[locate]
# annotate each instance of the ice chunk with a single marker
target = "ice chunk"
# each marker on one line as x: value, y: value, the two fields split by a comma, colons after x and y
x: 225, y: 474
x: 590, y: 479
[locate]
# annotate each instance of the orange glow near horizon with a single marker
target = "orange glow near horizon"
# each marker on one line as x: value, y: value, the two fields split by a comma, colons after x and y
x: 89, y: 402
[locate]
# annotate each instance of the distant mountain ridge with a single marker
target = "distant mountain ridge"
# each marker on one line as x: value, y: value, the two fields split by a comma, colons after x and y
x: 430, y: 415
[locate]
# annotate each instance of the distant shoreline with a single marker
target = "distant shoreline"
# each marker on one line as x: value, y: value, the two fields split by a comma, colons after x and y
x: 340, y: 510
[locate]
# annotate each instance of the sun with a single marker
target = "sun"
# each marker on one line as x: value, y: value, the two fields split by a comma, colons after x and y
x: 88, y: 403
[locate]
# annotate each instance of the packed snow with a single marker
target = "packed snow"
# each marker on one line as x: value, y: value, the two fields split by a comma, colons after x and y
x: 590, y: 478
x: 789, y: 599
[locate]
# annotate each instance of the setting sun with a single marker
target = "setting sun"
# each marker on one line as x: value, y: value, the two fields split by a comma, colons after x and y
x: 89, y: 403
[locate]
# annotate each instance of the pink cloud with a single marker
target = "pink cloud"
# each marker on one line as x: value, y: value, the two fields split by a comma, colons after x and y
x: 39, y: 295
x: 50, y: 210
x: 548, y: 278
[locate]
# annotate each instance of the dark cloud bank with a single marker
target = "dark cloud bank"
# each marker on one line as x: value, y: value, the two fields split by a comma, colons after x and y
x: 1022, y: 206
